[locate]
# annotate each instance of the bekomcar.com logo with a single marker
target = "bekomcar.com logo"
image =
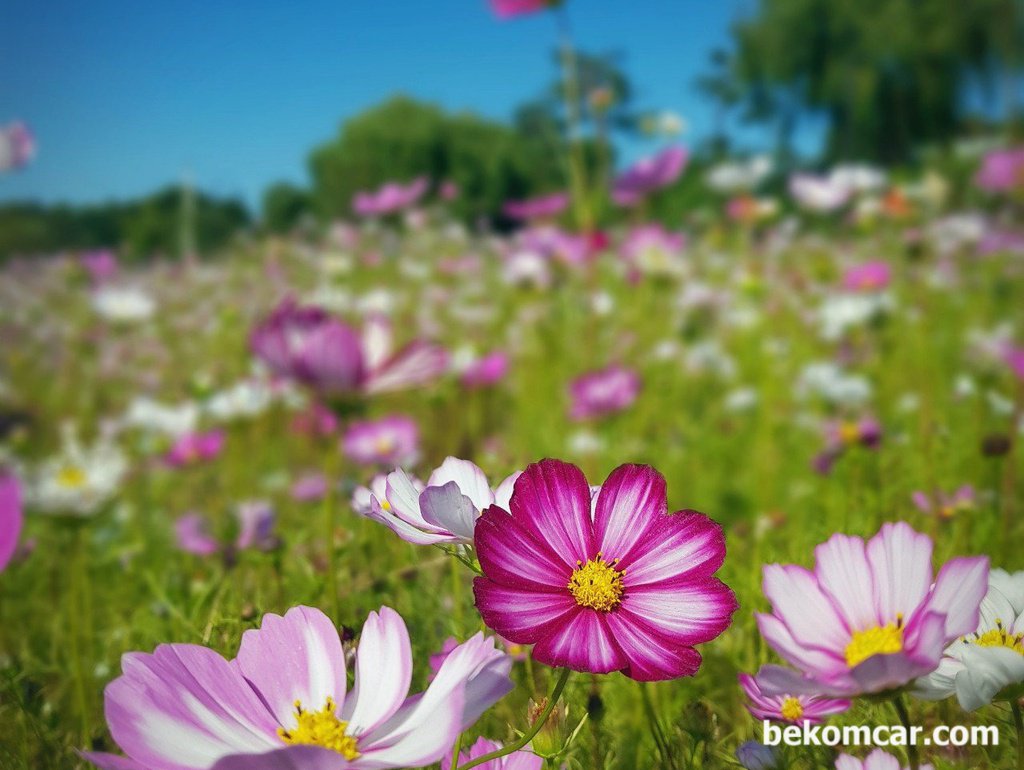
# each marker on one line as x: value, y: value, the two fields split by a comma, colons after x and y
x: 809, y: 734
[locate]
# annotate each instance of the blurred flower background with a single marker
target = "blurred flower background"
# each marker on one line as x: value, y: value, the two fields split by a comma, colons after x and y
x: 274, y: 276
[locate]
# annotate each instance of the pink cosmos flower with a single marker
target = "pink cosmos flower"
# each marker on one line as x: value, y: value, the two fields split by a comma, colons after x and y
x: 393, y: 440
x: 841, y: 435
x: 648, y: 175
x: 193, y: 447
x: 869, y: 618
x: 255, y: 520
x: 448, y: 191
x: 446, y: 509
x: 362, y: 496
x: 17, y: 146
x: 617, y: 586
x: 308, y: 345
x: 309, y: 487
x: 390, y: 198
x: 524, y: 759
x: 945, y: 505
x: 508, y: 8
x: 283, y: 702
x: 789, y: 708
x: 652, y: 249
x: 1014, y: 357
x: 1001, y: 171
x: 870, y: 276
x: 604, y: 392
x: 316, y: 420
x: 876, y: 760
x: 101, y: 265
x: 486, y: 371
x: 10, y: 519
x: 544, y: 207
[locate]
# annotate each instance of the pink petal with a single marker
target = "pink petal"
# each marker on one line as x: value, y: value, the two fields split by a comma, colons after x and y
x: 584, y: 642
x: 628, y: 505
x: 470, y: 480
x: 901, y: 562
x: 513, y: 555
x: 416, y: 364
x: 289, y: 758
x: 295, y: 657
x: 521, y: 616
x: 809, y: 659
x: 959, y: 588
x: 683, y: 614
x: 648, y: 661
x: 681, y: 547
x: 843, y: 571
x: 552, y: 501
x: 383, y: 672
x: 10, y: 518
x: 798, y: 601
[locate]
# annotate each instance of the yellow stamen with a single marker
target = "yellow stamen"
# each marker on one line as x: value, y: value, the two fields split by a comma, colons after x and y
x: 1000, y: 637
x: 320, y: 728
x: 792, y: 709
x: 880, y: 640
x: 849, y: 432
x: 385, y: 505
x: 597, y: 584
x: 71, y: 477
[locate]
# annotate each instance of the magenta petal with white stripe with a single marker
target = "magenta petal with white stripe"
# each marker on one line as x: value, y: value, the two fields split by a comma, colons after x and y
x: 617, y: 585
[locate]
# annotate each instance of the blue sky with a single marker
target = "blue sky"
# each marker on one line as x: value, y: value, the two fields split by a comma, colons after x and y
x: 127, y: 96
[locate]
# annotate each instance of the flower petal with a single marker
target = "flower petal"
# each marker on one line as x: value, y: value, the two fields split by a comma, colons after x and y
x: 552, y: 501
x: 383, y: 672
x: 844, y: 573
x: 513, y: 555
x: 447, y: 508
x: 415, y: 364
x: 647, y: 662
x: 295, y: 657
x: 503, y: 493
x: 470, y: 480
x: 809, y: 614
x: 901, y: 562
x: 521, y: 616
x: 629, y: 503
x: 682, y: 547
x: 288, y: 758
x: 959, y: 588
x: 10, y: 518
x: 685, y: 613
x: 583, y: 642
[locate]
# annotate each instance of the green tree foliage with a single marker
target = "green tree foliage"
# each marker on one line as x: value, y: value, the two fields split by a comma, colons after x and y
x: 284, y: 205
x: 890, y: 75
x: 402, y: 139
x: 140, y: 228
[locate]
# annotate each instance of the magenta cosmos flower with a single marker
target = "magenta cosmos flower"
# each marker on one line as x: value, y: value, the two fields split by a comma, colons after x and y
x: 255, y: 525
x: 486, y: 371
x: 789, y: 708
x: 869, y: 618
x: 283, y: 702
x: 506, y: 9
x: 524, y: 759
x: 622, y: 586
x: 870, y: 276
x: 193, y: 447
x: 390, y: 441
x: 1001, y: 171
x: 10, y: 518
x: 603, y: 392
x: 308, y: 345
x: 876, y: 760
x: 537, y: 208
x: 390, y: 198
x: 445, y: 510
x: 648, y: 175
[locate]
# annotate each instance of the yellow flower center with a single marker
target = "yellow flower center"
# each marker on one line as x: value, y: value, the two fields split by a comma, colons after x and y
x: 72, y: 477
x: 597, y: 584
x: 1000, y: 637
x: 849, y: 432
x: 320, y: 728
x: 792, y: 709
x: 385, y: 445
x: 880, y: 640
x: 385, y: 505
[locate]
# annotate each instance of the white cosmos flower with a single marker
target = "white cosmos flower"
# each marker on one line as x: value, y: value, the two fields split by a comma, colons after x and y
x: 739, y: 176
x: 123, y: 304
x: 169, y: 419
x: 988, y: 664
x: 828, y: 381
x: 842, y: 312
x: 79, y: 480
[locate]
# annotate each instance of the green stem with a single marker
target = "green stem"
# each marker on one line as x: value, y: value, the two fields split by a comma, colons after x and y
x: 332, y: 565
x: 1018, y: 723
x: 556, y: 694
x: 455, y: 751
x: 901, y: 710
x: 80, y: 643
x: 652, y: 716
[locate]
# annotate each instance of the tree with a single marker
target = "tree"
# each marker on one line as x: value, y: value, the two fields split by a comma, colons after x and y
x: 284, y: 205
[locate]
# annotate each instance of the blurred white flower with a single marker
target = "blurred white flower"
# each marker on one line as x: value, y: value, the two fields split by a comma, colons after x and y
x: 123, y: 304
x: 740, y: 399
x: 79, y: 480
x: 739, y: 176
x: 842, y: 312
x: 828, y: 381
x: 170, y: 419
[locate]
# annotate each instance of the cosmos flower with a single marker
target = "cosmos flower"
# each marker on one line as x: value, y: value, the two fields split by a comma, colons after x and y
x: 756, y: 756
x: 652, y: 250
x: 987, y: 664
x: 309, y: 487
x: 603, y: 392
x: 308, y: 345
x: 876, y: 760
x: 739, y: 176
x: 283, y: 702
x: 1014, y: 358
x: 818, y: 194
x: 194, y: 447
x: 648, y: 175
x: 101, y: 265
x: 524, y: 759
x: 362, y: 496
x: 945, y: 505
x: 858, y: 177
x: 168, y: 419
x: 79, y: 479
x: 544, y: 207
x: 870, y: 618
x: 789, y: 708
x: 390, y: 198
x: 508, y: 8
x: 392, y: 440
x: 1001, y: 171
x: 485, y: 371
x: 17, y: 146
x: 616, y: 584
x: 446, y: 509
x: 255, y: 523
x: 10, y: 518
x: 869, y: 276
x: 123, y: 304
